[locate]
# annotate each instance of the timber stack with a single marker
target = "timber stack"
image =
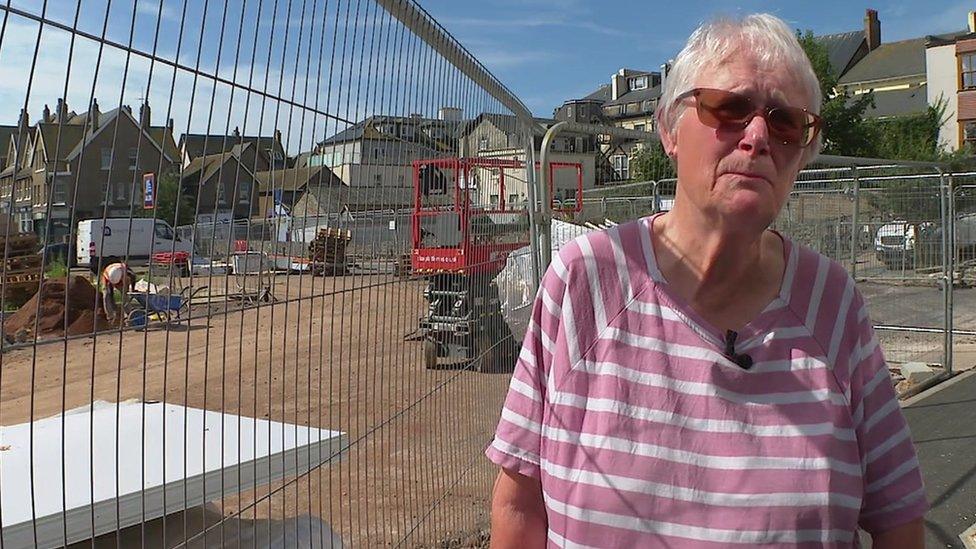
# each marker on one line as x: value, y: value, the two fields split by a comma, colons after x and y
x: 21, y: 266
x: 327, y: 252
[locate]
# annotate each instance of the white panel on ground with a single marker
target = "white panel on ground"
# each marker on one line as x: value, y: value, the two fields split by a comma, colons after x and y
x: 115, y: 457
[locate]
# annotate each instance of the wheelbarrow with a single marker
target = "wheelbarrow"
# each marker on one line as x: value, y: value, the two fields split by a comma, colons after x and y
x: 165, y: 308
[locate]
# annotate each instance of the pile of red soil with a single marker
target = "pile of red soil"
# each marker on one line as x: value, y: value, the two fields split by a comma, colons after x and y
x: 48, y: 311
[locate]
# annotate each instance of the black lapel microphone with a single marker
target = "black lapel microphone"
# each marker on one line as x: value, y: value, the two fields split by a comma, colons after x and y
x: 744, y: 361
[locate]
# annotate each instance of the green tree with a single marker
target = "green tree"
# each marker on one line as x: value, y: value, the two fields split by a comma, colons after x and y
x: 651, y: 163
x: 845, y: 130
x: 168, y: 195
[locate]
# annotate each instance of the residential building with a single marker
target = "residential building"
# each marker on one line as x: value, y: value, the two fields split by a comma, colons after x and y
x: 896, y: 72
x: 86, y: 165
x: 951, y: 73
x: 378, y: 151
x: 223, y: 185
x: 286, y: 186
x: 500, y: 136
x: 6, y: 133
x: 627, y: 101
x: 265, y: 153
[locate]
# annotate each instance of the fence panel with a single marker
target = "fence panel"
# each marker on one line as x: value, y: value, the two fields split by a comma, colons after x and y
x: 283, y: 372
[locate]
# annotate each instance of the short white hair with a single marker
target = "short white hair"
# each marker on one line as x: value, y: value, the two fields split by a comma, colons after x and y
x: 766, y: 37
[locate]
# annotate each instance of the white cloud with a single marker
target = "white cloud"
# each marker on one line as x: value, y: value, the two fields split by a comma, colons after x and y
x: 151, y: 8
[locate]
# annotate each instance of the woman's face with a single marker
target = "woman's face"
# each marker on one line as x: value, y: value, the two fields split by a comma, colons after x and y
x: 741, y: 177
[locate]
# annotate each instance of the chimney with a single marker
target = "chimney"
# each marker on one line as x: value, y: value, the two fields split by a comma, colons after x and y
x: 23, y: 122
x: 665, y: 69
x: 46, y: 115
x: 277, y: 135
x: 62, y: 112
x: 972, y: 21
x: 618, y: 85
x: 872, y: 29
x: 94, y: 115
x: 237, y: 132
x: 169, y: 125
x: 450, y: 114
x: 145, y: 115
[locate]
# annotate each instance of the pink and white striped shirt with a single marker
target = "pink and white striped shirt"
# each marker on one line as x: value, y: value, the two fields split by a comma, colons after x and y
x: 645, y: 435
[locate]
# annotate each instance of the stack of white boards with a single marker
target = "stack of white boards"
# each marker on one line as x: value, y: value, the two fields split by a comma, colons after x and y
x: 110, y: 466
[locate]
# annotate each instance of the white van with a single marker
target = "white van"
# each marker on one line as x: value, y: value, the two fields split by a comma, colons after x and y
x: 118, y: 238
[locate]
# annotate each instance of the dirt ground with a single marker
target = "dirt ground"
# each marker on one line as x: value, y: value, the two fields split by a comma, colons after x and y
x: 330, y: 353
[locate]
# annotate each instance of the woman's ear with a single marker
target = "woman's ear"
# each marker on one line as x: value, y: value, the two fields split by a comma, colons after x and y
x: 668, y: 143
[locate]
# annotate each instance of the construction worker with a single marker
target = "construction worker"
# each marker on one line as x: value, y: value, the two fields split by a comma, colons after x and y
x: 116, y: 276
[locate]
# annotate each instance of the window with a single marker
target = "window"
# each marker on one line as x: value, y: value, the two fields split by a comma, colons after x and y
x: 163, y: 231
x: 103, y: 194
x: 121, y: 191
x: 647, y: 106
x: 638, y: 83
x: 59, y: 194
x: 483, y: 143
x: 377, y: 180
x: 406, y: 131
x: 621, y: 165
x: 133, y: 159
x: 968, y: 62
x: 244, y: 191
x: 639, y: 127
x: 106, y: 158
x: 969, y: 136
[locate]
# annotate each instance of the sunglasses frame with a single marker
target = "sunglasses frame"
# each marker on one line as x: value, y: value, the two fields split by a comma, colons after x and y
x: 816, y: 121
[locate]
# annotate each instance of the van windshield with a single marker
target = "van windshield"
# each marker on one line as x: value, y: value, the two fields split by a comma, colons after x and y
x: 164, y: 231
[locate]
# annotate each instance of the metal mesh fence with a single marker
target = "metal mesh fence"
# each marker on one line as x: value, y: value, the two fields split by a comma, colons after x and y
x: 887, y: 226
x: 295, y: 363
x: 902, y: 231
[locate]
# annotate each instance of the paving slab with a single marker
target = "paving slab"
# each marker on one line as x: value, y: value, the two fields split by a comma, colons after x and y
x: 943, y: 424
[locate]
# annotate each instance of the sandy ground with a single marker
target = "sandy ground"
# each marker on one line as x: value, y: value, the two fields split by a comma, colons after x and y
x: 331, y: 355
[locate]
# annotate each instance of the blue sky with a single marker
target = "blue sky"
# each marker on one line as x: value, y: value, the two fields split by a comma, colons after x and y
x: 550, y: 50
x: 546, y: 51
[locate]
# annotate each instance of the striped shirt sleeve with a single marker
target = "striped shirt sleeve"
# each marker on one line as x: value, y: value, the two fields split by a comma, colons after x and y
x: 517, y: 441
x: 893, y: 489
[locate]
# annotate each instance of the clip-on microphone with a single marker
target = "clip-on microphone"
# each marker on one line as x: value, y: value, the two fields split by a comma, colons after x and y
x: 743, y: 360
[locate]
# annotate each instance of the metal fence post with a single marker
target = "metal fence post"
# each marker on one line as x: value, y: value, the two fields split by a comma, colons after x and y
x: 530, y: 178
x: 949, y: 277
x: 545, y: 221
x: 855, y: 227
x: 657, y: 196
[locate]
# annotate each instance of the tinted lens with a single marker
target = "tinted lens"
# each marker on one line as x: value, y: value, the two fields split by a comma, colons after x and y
x: 790, y: 124
x: 733, y: 111
x: 724, y: 108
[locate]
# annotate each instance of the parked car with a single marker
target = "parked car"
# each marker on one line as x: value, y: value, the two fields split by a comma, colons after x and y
x: 909, y: 245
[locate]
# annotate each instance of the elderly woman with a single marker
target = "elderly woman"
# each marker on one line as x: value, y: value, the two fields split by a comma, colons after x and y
x: 695, y: 379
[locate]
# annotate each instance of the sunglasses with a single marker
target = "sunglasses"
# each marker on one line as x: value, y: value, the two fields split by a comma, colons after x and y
x: 725, y: 110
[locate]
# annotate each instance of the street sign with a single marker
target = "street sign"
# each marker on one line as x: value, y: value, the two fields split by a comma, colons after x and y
x: 149, y: 191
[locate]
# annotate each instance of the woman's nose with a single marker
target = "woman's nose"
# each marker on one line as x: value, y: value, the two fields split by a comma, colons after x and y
x: 755, y: 137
